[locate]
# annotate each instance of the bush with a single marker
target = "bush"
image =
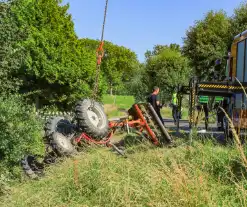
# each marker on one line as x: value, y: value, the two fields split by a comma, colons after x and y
x: 20, y: 133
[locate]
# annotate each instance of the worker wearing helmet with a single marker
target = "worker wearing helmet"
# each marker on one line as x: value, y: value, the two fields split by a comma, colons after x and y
x: 154, y: 100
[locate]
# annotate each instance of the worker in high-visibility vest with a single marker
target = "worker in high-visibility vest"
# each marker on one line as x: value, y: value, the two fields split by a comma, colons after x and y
x: 174, y: 107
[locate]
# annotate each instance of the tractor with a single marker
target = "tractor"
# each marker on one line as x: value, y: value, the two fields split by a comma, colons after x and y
x: 90, y: 125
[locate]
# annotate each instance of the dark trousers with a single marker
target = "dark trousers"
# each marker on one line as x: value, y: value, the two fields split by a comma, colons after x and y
x: 159, y: 115
x: 174, y: 112
x: 206, y: 112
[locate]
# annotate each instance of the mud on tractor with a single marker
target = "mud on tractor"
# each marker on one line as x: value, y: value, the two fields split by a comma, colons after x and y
x: 90, y: 125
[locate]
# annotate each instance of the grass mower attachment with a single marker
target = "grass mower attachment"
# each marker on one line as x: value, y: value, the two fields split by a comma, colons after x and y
x: 91, y: 126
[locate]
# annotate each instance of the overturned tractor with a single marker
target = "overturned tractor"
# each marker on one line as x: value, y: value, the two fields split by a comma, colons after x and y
x: 65, y: 137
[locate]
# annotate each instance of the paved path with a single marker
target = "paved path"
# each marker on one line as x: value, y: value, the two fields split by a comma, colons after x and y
x: 212, y: 131
x: 184, y: 125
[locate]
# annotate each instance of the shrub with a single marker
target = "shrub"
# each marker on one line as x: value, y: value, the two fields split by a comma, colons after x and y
x: 20, y: 133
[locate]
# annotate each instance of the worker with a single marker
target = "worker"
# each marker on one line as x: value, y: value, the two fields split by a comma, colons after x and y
x: 174, y: 107
x: 154, y: 100
x: 202, y: 106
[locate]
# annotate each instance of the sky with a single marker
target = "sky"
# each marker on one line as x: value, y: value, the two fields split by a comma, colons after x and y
x: 141, y: 24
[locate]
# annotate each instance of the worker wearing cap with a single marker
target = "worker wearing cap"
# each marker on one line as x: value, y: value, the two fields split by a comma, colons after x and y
x: 154, y: 100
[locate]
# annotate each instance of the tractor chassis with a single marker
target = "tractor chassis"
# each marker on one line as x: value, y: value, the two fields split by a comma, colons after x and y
x: 144, y: 122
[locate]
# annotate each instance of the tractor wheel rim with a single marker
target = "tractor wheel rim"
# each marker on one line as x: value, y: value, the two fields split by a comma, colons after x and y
x: 96, y: 116
x: 93, y: 117
x: 64, y: 142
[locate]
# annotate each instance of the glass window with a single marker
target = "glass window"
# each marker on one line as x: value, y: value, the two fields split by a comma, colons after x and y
x: 238, y: 101
x: 245, y: 70
x: 245, y: 102
x: 240, y: 61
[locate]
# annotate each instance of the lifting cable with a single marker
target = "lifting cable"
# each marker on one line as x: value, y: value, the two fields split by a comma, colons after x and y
x: 99, y: 55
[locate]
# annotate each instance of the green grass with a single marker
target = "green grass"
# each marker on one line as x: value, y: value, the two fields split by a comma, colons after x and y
x: 167, y: 112
x: 114, y: 105
x: 197, y: 175
x: 124, y: 102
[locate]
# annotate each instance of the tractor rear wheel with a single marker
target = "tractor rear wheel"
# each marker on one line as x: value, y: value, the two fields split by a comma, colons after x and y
x: 58, y: 124
x: 92, y: 119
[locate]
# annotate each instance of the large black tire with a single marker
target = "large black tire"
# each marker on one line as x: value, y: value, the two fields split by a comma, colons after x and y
x: 92, y: 119
x: 58, y: 124
x: 61, y: 144
x: 32, y: 167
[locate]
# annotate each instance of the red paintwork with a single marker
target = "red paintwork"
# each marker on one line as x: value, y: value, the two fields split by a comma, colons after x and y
x: 140, y: 124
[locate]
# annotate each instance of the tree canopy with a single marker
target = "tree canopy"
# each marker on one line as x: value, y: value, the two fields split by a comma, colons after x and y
x: 118, y: 65
x: 41, y: 55
x: 166, y: 67
x: 239, y: 20
x: 11, y: 53
x: 207, y: 41
x: 55, y: 66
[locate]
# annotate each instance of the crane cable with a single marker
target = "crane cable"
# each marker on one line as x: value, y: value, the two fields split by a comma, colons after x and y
x: 99, y: 55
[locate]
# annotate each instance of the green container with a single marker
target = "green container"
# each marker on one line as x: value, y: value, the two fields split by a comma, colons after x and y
x: 218, y: 99
x: 203, y: 99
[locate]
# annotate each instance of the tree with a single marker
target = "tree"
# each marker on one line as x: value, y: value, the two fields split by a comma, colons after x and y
x: 207, y: 41
x: 239, y: 20
x: 138, y: 85
x: 167, y: 69
x: 157, y: 49
x: 56, y: 66
x: 118, y: 64
x: 11, y: 53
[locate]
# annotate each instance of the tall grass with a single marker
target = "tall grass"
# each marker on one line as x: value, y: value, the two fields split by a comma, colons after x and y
x: 198, y: 175
x: 236, y: 137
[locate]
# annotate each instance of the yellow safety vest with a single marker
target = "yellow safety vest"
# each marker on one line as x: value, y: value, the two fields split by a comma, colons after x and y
x: 174, y: 98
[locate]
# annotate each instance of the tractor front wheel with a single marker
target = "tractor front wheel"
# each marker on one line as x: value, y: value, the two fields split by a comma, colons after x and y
x: 61, y: 144
x: 92, y: 119
x: 32, y: 167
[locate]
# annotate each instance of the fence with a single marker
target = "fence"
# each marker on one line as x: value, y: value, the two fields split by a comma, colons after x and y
x: 44, y: 115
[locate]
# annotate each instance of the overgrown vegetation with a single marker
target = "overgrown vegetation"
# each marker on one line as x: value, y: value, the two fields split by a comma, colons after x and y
x: 198, y: 175
x: 20, y: 134
x: 44, y: 64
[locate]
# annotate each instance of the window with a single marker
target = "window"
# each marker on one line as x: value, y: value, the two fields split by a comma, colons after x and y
x: 245, y: 102
x: 245, y: 69
x: 240, y: 61
x: 238, y: 101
